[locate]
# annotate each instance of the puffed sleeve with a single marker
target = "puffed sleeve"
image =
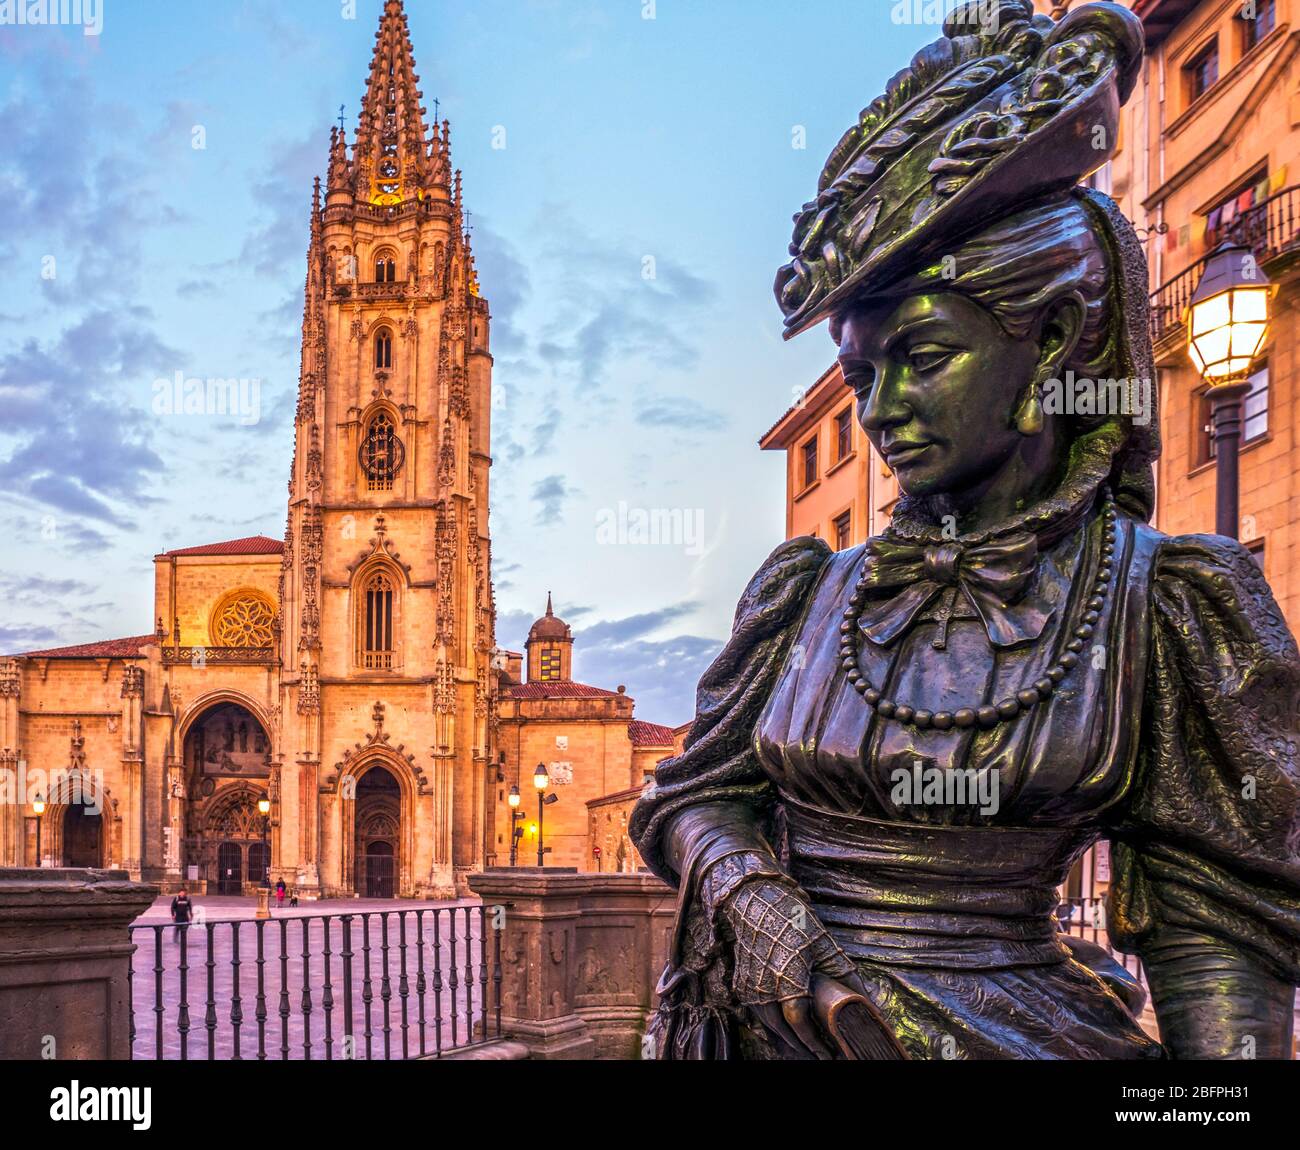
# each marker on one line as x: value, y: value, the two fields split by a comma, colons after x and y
x: 702, y: 825
x: 1207, y: 845
x: 719, y: 766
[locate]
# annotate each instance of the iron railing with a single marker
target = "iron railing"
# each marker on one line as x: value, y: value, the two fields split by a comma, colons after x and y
x: 1271, y: 229
x: 414, y: 982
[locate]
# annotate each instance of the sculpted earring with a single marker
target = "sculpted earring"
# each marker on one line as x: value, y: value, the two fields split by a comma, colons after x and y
x: 1029, y: 416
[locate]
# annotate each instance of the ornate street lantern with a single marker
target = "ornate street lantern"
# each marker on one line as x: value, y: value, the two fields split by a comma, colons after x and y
x: 1227, y: 321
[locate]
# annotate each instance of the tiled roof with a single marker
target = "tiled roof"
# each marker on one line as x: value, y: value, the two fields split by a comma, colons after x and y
x: 565, y: 689
x: 253, y: 545
x: 645, y: 734
x: 105, y: 649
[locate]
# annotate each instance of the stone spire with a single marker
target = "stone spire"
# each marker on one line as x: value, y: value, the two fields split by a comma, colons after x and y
x: 338, y: 180
x: 391, y: 160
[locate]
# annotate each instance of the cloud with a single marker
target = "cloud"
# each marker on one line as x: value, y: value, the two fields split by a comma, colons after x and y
x: 661, y: 675
x: 681, y: 414
x: 15, y: 640
x: 551, y: 493
x: 499, y: 265
x: 614, y: 300
x: 80, y: 446
x: 279, y: 243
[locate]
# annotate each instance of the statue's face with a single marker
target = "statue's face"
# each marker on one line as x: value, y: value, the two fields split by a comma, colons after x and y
x: 937, y: 382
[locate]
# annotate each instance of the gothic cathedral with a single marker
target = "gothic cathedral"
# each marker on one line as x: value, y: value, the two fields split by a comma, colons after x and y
x: 344, y: 676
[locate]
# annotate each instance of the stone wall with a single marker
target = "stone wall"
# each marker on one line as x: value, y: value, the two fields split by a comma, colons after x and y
x: 581, y: 955
x: 64, y: 954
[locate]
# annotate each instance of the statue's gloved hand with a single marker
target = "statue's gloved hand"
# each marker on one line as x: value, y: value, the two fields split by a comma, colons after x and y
x: 777, y: 946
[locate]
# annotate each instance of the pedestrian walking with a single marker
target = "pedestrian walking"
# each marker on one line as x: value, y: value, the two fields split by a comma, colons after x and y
x: 182, y: 909
x: 279, y: 894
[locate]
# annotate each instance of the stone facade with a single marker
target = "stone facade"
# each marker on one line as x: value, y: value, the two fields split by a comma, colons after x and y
x: 594, y: 750
x: 344, y: 674
x: 837, y: 486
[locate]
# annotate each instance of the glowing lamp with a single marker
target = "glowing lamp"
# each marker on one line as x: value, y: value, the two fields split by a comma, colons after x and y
x: 1228, y: 314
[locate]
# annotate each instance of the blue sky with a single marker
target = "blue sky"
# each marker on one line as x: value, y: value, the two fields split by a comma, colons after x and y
x: 627, y: 235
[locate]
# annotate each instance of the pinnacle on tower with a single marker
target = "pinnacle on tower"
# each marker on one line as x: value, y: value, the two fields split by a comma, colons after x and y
x: 390, y: 160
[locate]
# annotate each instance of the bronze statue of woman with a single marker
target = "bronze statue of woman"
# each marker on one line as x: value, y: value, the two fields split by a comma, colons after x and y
x: 904, y: 747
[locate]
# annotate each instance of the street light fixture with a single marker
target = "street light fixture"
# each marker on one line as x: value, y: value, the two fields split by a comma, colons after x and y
x: 1226, y: 325
x: 542, y: 780
x: 38, y: 805
x: 264, y: 809
x: 516, y: 823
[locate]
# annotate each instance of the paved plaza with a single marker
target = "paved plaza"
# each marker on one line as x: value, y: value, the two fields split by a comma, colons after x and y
x: 427, y: 980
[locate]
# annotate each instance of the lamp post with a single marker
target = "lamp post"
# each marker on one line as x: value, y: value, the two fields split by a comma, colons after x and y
x: 1226, y: 326
x: 541, y: 780
x: 264, y: 890
x: 516, y: 823
x: 38, y: 805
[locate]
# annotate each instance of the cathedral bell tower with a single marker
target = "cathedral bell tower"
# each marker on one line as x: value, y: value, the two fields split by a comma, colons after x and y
x: 386, y: 618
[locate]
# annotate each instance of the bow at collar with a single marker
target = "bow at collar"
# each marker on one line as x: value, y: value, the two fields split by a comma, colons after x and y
x: 994, y: 576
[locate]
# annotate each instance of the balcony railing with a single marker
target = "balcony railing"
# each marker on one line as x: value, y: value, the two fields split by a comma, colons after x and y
x: 1271, y: 228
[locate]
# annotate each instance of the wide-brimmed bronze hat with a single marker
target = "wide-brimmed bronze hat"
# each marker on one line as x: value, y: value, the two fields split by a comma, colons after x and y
x: 1006, y: 107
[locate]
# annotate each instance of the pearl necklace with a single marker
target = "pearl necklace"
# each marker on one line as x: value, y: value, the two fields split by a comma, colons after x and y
x: 986, y: 716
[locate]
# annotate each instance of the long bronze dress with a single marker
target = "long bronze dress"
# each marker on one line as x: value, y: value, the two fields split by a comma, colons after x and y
x: 1175, y: 737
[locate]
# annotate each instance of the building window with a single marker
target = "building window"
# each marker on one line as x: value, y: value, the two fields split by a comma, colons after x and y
x: 1254, y: 414
x: 383, y: 349
x: 1254, y: 27
x: 385, y: 269
x: 1219, y: 220
x: 844, y: 434
x: 1254, y: 408
x: 1100, y: 180
x: 377, y: 623
x: 843, y: 526
x: 549, y: 665
x: 1202, y: 71
x: 810, y: 462
x: 243, y: 619
x: 382, y: 453
x: 1256, y: 550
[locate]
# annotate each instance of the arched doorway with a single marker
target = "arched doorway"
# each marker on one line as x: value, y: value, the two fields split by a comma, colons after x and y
x: 238, y: 848
x: 379, y: 869
x: 83, y: 837
x: 378, y: 823
x: 259, y: 863
x: 227, y: 755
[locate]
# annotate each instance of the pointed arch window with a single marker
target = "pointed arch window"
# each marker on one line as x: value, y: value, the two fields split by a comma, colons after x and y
x: 385, y: 264
x: 383, y: 349
x: 382, y: 453
x: 375, y: 624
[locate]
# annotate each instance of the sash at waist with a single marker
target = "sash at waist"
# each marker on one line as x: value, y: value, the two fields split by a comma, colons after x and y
x: 911, y: 894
